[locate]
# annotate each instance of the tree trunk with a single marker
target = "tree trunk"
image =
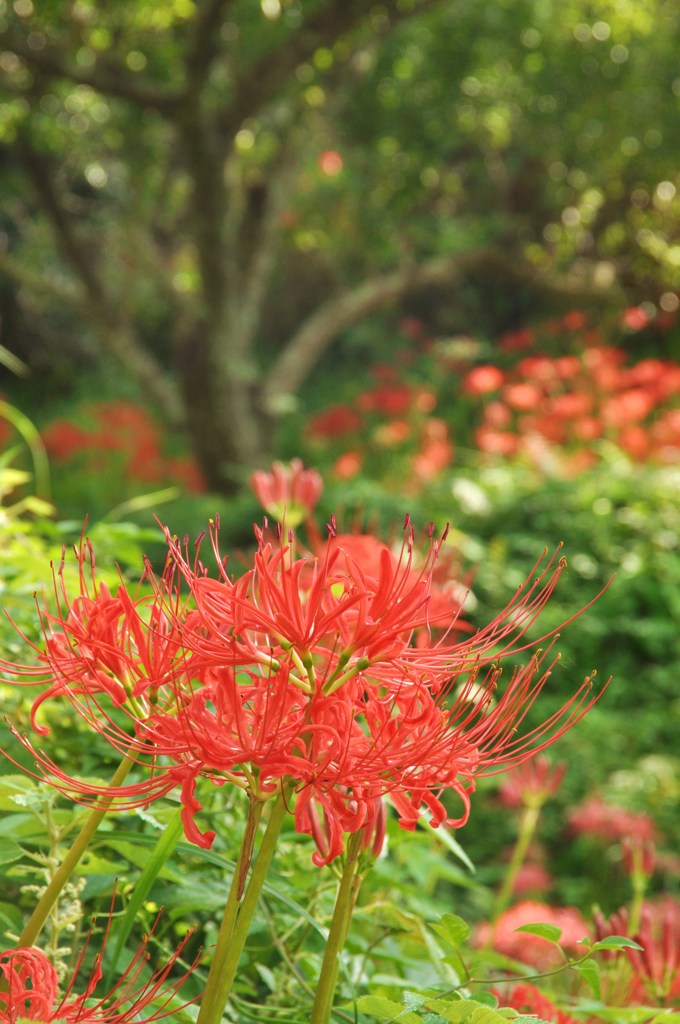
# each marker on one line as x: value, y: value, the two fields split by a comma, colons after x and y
x: 223, y: 426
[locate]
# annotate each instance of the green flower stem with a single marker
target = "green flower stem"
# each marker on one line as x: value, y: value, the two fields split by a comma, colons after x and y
x: 239, y: 911
x: 640, y: 881
x: 348, y: 889
x: 70, y: 861
x: 527, y: 828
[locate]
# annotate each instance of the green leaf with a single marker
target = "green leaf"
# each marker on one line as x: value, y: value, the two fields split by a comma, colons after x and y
x: 9, y: 851
x: 590, y: 970
x: 466, y: 1011
x: 154, y: 863
x: 616, y: 942
x: 19, y: 791
x: 521, y: 1018
x: 386, y: 1009
x: 454, y: 847
x: 11, y: 919
x: 414, y: 1000
x: 544, y: 931
x: 452, y: 929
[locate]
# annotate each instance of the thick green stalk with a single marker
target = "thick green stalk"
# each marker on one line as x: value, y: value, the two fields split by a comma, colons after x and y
x: 527, y: 828
x: 238, y: 913
x: 70, y: 861
x: 345, y: 899
x: 157, y: 858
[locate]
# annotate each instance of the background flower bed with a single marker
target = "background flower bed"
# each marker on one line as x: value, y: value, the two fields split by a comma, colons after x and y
x: 617, y: 516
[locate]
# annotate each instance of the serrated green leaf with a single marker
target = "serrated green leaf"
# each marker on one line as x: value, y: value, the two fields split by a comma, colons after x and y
x: 414, y: 1000
x: 590, y: 970
x: 386, y: 1009
x: 466, y: 1011
x: 452, y: 929
x: 544, y: 931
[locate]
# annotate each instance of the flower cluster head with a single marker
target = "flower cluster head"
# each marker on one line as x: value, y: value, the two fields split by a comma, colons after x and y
x: 30, y: 990
x: 609, y: 823
x: 288, y: 493
x: 340, y: 678
x: 655, y: 966
x: 532, y: 783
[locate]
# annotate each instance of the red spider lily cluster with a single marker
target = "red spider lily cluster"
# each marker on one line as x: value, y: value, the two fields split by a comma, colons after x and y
x: 393, y: 415
x: 532, y: 783
x: 547, y: 405
x: 648, y: 975
x: 654, y: 969
x: 289, y: 493
x: 601, y: 820
x: 119, y: 434
x: 552, y: 395
x: 346, y: 676
x: 30, y: 991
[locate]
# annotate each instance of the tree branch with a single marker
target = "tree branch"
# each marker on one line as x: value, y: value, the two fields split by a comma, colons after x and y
x: 308, y: 344
x: 104, y: 312
x: 40, y: 173
x: 110, y: 81
x: 204, y: 44
x: 40, y: 284
x: 264, y: 80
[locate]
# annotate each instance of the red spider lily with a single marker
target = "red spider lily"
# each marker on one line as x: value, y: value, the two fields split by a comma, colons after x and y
x: 347, y: 466
x: 483, y: 379
x: 327, y: 831
x: 531, y: 878
x: 639, y: 855
x: 390, y: 399
x: 30, y: 990
x: 304, y: 669
x: 98, y: 643
x: 656, y: 966
x: 288, y: 492
x: 336, y: 421
x: 532, y: 783
x: 574, y: 320
x: 608, y: 822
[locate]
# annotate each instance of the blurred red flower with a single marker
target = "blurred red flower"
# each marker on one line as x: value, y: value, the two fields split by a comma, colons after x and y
x: 605, y: 821
x: 348, y: 465
x: 575, y: 320
x: 390, y: 399
x: 635, y: 318
x: 336, y: 421
x: 482, y: 379
x: 532, y: 783
x: 288, y: 492
x: 533, y: 949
